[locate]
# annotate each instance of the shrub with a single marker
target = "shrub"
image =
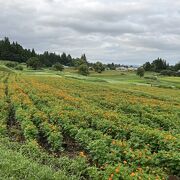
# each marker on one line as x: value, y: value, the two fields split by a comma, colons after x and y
x: 177, y: 74
x: 99, y: 67
x: 20, y: 68
x: 11, y: 64
x: 58, y: 67
x: 34, y: 63
x: 83, y: 70
x: 147, y: 66
x: 167, y: 73
x: 140, y: 71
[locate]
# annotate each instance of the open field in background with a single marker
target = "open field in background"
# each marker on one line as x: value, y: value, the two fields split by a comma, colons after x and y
x: 110, y: 76
x: 114, y: 125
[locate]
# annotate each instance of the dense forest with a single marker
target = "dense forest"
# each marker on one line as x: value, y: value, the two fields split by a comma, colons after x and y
x: 15, y: 52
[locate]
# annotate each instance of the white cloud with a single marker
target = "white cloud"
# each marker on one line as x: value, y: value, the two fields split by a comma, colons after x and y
x: 130, y: 31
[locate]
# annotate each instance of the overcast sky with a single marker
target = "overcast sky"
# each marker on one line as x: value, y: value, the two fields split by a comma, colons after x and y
x: 120, y: 31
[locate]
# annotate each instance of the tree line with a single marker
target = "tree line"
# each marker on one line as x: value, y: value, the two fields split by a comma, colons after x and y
x: 161, y: 66
x: 15, y: 52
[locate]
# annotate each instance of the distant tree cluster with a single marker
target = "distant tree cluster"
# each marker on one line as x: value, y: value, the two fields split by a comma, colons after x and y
x: 99, y: 67
x: 15, y: 52
x: 161, y: 66
x: 111, y: 66
x: 156, y: 66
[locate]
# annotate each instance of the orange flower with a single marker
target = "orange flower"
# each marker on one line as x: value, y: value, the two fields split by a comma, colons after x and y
x: 113, y: 142
x: 132, y: 174
x: 111, y: 177
x: 125, y: 162
x: 140, y: 169
x: 117, y: 170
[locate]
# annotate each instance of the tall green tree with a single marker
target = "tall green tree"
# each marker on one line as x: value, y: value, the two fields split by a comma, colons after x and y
x: 147, y: 66
x: 64, y: 58
x: 69, y: 60
x: 83, y: 57
x: 177, y: 66
x: 111, y: 66
x: 159, y: 65
x: 33, y: 53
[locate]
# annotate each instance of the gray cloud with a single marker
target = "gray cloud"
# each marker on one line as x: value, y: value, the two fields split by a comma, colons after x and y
x: 130, y: 31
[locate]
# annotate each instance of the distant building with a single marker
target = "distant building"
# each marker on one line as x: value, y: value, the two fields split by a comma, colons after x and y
x: 122, y: 68
x: 132, y: 68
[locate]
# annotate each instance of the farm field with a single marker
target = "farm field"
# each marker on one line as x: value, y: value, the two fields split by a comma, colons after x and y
x: 106, y: 126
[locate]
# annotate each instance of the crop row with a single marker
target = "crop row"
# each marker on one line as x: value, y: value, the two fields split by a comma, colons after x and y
x: 3, y: 107
x: 28, y: 115
x: 30, y: 149
x: 153, y: 112
x: 31, y: 120
x: 45, y: 100
x: 108, y: 121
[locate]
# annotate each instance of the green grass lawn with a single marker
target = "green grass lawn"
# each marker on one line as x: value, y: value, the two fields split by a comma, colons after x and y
x: 120, y: 77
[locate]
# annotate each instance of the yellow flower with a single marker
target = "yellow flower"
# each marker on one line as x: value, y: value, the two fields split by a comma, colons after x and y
x: 82, y: 154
